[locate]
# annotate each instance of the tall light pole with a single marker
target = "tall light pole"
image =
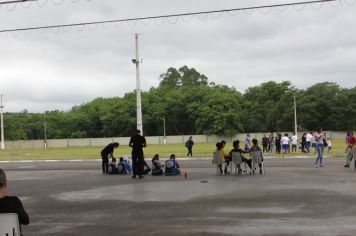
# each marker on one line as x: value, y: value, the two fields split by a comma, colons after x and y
x: 138, y: 87
x: 164, y: 129
x: 295, y: 117
x: 2, y: 125
x: 45, y: 130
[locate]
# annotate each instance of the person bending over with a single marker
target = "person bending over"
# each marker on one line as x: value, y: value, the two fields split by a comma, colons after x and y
x: 106, y: 153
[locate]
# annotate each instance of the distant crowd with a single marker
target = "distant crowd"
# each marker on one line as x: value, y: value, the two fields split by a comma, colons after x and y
x: 277, y: 144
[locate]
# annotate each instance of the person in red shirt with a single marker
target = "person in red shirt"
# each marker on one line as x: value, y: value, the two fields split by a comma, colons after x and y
x: 351, y: 149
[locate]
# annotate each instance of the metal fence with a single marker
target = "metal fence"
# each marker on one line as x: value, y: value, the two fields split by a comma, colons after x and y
x: 94, y: 142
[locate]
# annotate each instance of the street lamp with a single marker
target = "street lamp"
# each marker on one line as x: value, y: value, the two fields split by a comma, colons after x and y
x: 295, y: 117
x: 164, y: 129
x: 137, y: 62
x: 45, y: 130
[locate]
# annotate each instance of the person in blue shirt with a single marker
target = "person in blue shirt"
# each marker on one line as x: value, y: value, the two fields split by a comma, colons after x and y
x: 247, y: 142
x: 172, y: 166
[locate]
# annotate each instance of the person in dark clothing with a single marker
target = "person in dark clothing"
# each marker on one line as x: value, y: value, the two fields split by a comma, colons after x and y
x: 137, y: 142
x: 11, y: 204
x: 106, y: 153
x: 278, y: 143
x: 265, y: 143
x: 189, y: 145
x: 236, y: 148
x: 146, y: 168
x: 304, y: 143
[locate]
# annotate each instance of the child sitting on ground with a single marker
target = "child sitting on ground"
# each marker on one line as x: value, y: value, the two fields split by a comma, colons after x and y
x: 121, y: 167
x: 146, y: 168
x: 112, y: 169
x: 128, y: 167
x: 172, y: 166
x: 157, y: 167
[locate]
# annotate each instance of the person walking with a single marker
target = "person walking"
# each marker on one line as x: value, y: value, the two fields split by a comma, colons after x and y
x: 318, y: 137
x: 189, y: 145
x: 106, y: 153
x: 137, y: 142
x: 11, y: 204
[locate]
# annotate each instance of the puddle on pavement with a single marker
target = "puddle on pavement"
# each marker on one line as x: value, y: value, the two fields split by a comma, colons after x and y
x: 286, y: 226
x: 266, y: 210
x: 153, y: 191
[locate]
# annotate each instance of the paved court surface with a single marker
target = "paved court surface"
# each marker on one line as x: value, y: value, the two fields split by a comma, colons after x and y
x: 293, y: 198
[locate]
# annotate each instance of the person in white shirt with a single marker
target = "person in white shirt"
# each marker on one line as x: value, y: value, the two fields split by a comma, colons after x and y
x: 285, y: 143
x: 294, y: 142
x: 329, y: 145
x: 309, y: 138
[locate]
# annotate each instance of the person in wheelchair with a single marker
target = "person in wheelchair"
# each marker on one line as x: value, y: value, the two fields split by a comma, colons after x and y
x: 157, y: 166
x: 172, y: 166
x: 236, y: 148
x: 255, y: 149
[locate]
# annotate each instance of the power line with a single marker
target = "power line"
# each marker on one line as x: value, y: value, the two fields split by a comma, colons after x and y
x: 165, y: 16
x: 13, y: 4
x: 16, y: 1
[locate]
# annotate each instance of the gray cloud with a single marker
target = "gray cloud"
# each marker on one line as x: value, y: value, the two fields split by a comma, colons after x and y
x: 57, y: 70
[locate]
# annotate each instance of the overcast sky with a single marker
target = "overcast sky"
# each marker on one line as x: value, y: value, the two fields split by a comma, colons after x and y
x: 50, y: 70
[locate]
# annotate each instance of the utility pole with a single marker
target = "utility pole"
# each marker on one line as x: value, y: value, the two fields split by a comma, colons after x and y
x: 138, y: 87
x: 2, y: 125
x: 45, y: 130
x: 295, y: 117
x: 164, y: 130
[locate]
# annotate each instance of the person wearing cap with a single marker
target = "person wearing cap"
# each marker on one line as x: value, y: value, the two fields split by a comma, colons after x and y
x: 11, y: 204
x: 137, y: 142
x: 106, y: 153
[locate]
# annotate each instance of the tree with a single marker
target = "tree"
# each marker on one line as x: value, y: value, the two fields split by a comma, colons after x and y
x: 184, y: 76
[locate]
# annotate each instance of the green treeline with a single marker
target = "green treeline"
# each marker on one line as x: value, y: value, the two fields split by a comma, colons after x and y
x: 191, y: 105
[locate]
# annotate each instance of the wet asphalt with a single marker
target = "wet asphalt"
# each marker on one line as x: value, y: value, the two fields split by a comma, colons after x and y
x: 292, y: 198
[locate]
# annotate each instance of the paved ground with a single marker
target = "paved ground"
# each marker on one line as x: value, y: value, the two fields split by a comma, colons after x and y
x: 293, y: 198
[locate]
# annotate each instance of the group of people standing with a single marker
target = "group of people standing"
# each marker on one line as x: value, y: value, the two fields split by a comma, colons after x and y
x: 279, y: 144
x: 283, y: 144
